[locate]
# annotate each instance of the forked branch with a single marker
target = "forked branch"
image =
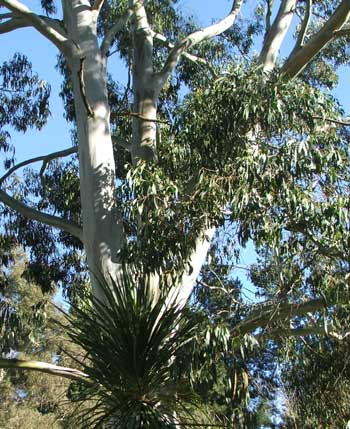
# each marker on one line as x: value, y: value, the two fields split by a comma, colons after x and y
x: 297, y: 61
x: 194, y: 39
x: 48, y: 27
x: 111, y: 33
x: 193, y: 58
x: 44, y: 158
x: 277, y: 34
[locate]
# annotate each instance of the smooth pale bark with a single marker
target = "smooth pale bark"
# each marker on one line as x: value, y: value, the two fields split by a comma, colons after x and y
x: 299, y: 59
x: 276, y: 34
x: 76, y: 38
x: 144, y: 131
x: 102, y: 226
x: 47, y: 368
x: 188, y: 278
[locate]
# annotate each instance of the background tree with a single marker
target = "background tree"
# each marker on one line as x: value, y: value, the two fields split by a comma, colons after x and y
x: 30, y: 399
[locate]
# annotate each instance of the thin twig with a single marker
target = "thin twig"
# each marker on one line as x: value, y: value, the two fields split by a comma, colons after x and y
x: 334, y: 121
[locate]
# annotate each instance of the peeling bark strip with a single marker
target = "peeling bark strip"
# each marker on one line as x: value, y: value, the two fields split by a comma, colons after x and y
x: 89, y: 109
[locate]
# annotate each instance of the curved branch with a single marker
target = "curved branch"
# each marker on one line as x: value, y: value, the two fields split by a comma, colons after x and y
x: 194, y: 39
x: 194, y: 58
x: 110, y: 34
x: 265, y: 314
x: 45, y: 158
x: 334, y: 121
x: 60, y: 371
x: 48, y: 27
x: 13, y: 24
x: 29, y: 212
x: 276, y: 35
x: 304, y: 25
x: 297, y: 61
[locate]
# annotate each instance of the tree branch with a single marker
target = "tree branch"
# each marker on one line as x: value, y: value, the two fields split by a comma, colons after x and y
x: 48, y: 27
x: 297, y: 61
x: 265, y: 314
x: 345, y: 31
x: 194, y: 39
x: 142, y: 117
x: 110, y: 34
x: 60, y: 371
x: 195, y: 261
x: 302, y: 332
x: 268, y: 17
x: 97, y: 5
x: 190, y: 57
x: 297, y: 332
x: 334, y: 121
x: 304, y: 26
x: 34, y: 214
x: 13, y: 24
x: 45, y: 158
x: 276, y: 35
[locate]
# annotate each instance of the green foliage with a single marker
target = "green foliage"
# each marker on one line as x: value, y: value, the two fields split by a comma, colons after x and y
x: 27, y: 399
x: 319, y: 371
x: 24, y: 100
x: 22, y: 311
x: 49, y: 6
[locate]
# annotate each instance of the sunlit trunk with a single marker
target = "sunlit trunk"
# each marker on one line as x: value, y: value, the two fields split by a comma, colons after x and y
x: 101, y: 224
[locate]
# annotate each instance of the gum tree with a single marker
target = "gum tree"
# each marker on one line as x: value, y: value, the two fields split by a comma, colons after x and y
x: 255, y: 145
x: 84, y: 45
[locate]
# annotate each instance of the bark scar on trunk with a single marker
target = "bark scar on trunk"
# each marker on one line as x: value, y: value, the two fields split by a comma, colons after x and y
x: 89, y: 109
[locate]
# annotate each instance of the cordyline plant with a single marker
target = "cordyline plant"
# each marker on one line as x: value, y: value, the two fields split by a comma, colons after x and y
x: 132, y: 341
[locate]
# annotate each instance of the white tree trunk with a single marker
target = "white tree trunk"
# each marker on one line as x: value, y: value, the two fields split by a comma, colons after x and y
x: 103, y: 233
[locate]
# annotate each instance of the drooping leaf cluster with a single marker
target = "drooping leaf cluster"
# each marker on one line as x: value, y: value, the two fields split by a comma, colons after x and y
x: 24, y: 100
x: 230, y: 157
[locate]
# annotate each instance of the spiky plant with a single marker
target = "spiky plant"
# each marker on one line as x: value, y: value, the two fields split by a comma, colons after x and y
x: 132, y: 340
